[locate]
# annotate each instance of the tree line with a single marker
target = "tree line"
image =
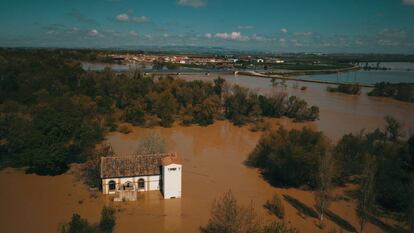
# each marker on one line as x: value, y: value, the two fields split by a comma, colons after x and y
x: 53, y: 112
x: 381, y: 162
x: 399, y: 91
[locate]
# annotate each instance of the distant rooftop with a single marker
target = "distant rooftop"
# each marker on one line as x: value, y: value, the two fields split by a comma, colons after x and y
x: 136, y: 165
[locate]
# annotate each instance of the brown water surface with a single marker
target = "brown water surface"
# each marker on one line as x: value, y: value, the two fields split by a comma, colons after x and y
x: 212, y: 164
x: 339, y: 113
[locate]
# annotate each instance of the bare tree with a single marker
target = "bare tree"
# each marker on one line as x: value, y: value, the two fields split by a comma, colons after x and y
x: 366, y: 193
x: 151, y: 143
x: 228, y: 216
x: 326, y: 172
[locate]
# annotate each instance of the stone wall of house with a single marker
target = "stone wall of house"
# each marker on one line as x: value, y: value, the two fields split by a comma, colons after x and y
x: 151, y: 183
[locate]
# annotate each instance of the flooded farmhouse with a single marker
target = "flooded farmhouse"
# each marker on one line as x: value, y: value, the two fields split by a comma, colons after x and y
x: 125, y: 176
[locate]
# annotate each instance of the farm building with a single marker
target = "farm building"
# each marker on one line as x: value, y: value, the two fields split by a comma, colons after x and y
x: 126, y: 176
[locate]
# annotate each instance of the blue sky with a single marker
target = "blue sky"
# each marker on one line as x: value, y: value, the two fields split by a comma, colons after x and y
x: 370, y: 26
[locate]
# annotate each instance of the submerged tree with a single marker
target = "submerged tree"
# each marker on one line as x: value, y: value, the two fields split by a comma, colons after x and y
x: 276, y: 206
x: 108, y: 220
x: 80, y: 225
x: 151, y: 143
x: 323, y: 194
x: 228, y: 216
x: 77, y: 225
x: 366, y: 194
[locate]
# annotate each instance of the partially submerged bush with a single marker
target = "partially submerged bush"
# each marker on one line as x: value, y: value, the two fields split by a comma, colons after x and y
x: 352, y: 89
x: 275, y: 206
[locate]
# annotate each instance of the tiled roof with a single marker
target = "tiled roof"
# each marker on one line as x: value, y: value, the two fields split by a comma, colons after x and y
x: 173, y: 159
x: 132, y: 165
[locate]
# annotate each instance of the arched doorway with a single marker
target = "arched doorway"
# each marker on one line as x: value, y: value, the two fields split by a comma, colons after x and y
x: 141, y: 184
x: 128, y: 186
x: 112, y: 185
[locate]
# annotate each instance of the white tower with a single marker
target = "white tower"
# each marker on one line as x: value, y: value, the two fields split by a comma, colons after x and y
x: 171, y: 177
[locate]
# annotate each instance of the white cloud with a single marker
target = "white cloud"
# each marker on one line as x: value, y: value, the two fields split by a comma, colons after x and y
x: 208, y: 35
x: 283, y: 30
x: 192, y: 3
x: 231, y: 36
x: 408, y: 2
x: 122, y: 17
x: 125, y: 17
x: 93, y: 32
x: 282, y: 40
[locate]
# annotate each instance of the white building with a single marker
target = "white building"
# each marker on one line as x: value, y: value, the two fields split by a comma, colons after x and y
x: 125, y: 176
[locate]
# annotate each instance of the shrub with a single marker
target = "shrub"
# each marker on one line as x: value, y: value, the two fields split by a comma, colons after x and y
x: 279, y: 227
x: 280, y: 152
x: 275, y: 206
x: 108, y: 220
x: 352, y: 89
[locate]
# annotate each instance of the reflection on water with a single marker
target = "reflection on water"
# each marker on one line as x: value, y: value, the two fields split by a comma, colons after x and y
x: 365, y: 77
x: 172, y: 215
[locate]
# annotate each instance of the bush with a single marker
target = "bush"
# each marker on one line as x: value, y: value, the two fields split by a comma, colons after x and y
x: 77, y: 225
x: 80, y: 225
x: 275, y: 206
x: 352, y: 89
x: 108, y: 220
x: 399, y: 91
x: 280, y: 152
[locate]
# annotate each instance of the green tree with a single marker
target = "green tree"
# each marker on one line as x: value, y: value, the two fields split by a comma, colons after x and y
x: 218, y: 85
x: 77, y: 225
x: 134, y: 114
x: 280, y: 152
x: 108, y: 220
x: 167, y: 107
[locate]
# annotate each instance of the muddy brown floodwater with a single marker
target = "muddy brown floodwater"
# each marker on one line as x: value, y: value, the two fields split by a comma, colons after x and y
x: 212, y: 164
x: 339, y: 113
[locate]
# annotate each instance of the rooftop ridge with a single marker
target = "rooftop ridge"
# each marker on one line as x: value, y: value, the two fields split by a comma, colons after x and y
x: 133, y: 164
x: 116, y: 156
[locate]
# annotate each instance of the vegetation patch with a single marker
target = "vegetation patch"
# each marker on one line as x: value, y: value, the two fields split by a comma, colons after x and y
x: 351, y: 89
x: 398, y: 91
